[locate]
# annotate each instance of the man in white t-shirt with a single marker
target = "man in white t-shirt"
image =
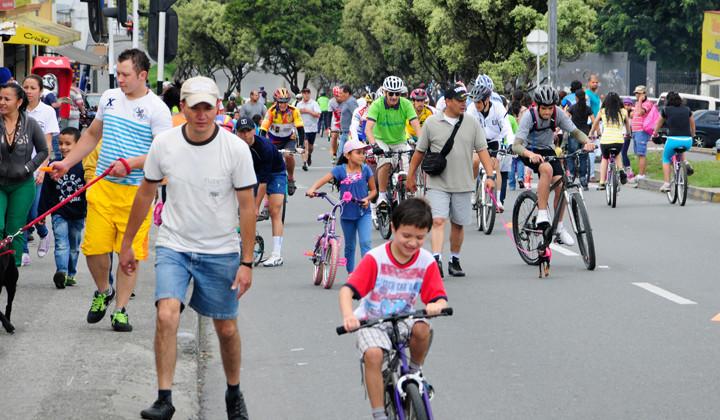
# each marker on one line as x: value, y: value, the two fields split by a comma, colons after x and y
x: 127, y: 119
x: 310, y: 114
x: 197, y: 238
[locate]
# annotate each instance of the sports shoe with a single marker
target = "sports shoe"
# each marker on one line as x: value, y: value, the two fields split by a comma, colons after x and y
x: 521, y: 184
x: 305, y: 166
x: 665, y: 187
x: 382, y: 200
x: 564, y: 237
x: 59, y: 280
x: 500, y: 207
x: 439, y: 263
x: 273, y: 261
x: 120, y: 322
x: 99, y: 306
x: 454, y: 268
x: 623, y: 177
x: 70, y: 281
x: 160, y: 410
x: 601, y: 187
x: 291, y: 187
x: 309, y: 161
x: 629, y: 172
x: 689, y: 169
x: 26, y: 259
x: 44, y: 246
x: 264, y: 215
x: 235, y: 405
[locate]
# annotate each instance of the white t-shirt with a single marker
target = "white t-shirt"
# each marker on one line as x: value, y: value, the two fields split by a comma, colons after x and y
x: 201, y: 211
x: 496, y: 124
x: 46, y: 118
x: 310, y: 122
x: 128, y: 129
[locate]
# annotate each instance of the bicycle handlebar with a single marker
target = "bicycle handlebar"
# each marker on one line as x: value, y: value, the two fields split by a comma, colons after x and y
x: 421, y: 313
x: 571, y: 155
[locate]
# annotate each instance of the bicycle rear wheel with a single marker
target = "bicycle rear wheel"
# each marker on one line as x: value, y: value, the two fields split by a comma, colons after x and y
x: 478, y: 206
x: 333, y: 254
x: 583, y: 231
x: 383, y: 215
x: 488, y: 211
x: 682, y: 184
x: 672, y: 195
x: 414, y: 403
x: 526, y: 235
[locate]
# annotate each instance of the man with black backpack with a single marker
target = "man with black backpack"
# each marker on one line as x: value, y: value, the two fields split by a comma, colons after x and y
x: 534, y: 142
x: 447, y: 144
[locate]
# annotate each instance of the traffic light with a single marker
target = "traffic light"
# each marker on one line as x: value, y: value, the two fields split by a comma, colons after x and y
x: 171, y: 29
x: 118, y: 13
x: 98, y: 29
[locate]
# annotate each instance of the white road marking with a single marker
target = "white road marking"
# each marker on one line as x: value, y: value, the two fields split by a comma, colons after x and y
x: 297, y: 349
x: 302, y: 364
x: 563, y: 250
x: 665, y: 294
x: 603, y: 267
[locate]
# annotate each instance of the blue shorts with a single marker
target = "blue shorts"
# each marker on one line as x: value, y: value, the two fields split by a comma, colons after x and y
x: 672, y: 143
x: 640, y: 141
x: 212, y: 274
x: 277, y: 183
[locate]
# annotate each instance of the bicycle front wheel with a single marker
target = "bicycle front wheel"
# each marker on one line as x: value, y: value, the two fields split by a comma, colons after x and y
x: 526, y: 235
x: 414, y: 403
x: 478, y: 208
x: 488, y: 212
x: 383, y: 216
x: 672, y: 195
x: 318, y: 263
x: 583, y: 231
x: 258, y: 250
x: 333, y: 255
x: 682, y: 184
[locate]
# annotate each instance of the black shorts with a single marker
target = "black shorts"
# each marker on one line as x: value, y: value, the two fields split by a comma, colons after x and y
x: 310, y: 137
x: 284, y: 143
x: 614, y: 148
x: 493, y: 148
x: 556, y: 164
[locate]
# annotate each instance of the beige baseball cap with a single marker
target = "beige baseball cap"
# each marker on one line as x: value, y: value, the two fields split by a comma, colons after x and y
x: 640, y: 89
x: 199, y: 89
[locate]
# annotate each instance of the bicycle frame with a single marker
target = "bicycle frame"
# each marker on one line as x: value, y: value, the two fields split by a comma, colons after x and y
x: 329, y: 223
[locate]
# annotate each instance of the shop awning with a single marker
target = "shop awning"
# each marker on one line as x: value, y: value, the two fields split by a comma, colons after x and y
x: 33, y: 30
x: 81, y: 56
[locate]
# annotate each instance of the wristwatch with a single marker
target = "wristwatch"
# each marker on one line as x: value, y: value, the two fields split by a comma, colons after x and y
x: 247, y: 264
x: 493, y: 177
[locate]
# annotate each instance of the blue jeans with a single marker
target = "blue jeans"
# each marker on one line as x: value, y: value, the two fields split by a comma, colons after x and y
x: 352, y: 229
x: 341, y: 143
x: 517, y: 168
x: 41, y: 228
x: 573, y: 146
x: 56, y: 148
x: 68, y: 235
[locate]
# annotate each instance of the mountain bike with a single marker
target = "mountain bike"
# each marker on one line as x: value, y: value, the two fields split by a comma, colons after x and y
x: 396, y: 191
x: 678, y: 178
x: 407, y: 395
x: 325, y: 255
x: 532, y: 241
x: 612, y: 179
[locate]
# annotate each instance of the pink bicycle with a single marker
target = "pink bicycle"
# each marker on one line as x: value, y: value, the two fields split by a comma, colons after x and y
x: 326, y: 254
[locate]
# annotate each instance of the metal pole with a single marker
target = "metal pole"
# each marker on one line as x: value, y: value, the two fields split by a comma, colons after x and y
x: 136, y: 24
x: 537, y: 84
x: 111, y: 48
x: 552, y: 38
x: 161, y: 52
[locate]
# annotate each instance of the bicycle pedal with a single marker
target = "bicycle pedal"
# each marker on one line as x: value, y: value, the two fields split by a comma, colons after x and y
x: 309, y: 253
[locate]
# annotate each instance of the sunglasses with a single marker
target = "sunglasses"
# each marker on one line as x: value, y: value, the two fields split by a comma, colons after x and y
x: 393, y: 94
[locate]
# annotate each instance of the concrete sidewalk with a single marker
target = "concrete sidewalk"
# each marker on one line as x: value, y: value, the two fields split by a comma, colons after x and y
x: 57, y: 366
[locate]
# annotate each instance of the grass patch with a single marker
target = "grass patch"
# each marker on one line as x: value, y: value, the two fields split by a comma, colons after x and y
x: 707, y: 172
x: 168, y: 73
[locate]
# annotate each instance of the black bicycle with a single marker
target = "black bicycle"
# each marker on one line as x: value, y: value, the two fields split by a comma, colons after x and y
x: 407, y: 395
x: 532, y: 240
x: 396, y: 191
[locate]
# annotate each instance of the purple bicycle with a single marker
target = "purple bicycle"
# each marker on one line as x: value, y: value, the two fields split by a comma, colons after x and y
x: 407, y: 395
x: 326, y: 254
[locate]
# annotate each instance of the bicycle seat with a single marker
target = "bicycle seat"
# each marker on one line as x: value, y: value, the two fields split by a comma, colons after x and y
x: 323, y: 217
x: 680, y: 149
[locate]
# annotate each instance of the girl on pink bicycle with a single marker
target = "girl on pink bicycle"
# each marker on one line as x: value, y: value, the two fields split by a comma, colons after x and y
x: 354, y: 176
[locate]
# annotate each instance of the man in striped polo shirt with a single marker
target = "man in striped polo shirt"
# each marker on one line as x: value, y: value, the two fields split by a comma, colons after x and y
x: 127, y: 119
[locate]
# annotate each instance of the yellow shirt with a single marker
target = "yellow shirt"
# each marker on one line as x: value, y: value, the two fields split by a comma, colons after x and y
x: 612, y: 132
x: 90, y: 162
x: 422, y: 116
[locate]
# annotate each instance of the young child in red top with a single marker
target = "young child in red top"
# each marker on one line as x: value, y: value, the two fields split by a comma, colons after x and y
x: 389, y: 280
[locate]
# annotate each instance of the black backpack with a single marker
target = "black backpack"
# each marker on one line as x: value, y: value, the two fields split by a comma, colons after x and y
x: 535, y: 114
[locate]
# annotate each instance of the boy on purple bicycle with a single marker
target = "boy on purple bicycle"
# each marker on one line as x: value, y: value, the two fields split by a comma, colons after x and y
x: 389, y: 280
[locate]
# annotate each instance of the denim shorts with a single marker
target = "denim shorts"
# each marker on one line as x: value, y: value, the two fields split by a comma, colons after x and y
x: 212, y: 274
x: 277, y: 183
x: 640, y: 141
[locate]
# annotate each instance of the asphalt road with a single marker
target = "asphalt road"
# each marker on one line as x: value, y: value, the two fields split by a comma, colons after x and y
x: 580, y: 344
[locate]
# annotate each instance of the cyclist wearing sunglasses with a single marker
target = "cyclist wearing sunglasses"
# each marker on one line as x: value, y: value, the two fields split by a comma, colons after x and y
x: 385, y: 128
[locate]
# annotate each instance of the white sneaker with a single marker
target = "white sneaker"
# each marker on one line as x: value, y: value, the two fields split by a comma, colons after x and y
x: 564, y: 237
x: 44, y: 246
x: 25, y: 259
x: 473, y: 199
x: 542, y: 217
x: 273, y: 261
x: 665, y: 187
x: 382, y: 199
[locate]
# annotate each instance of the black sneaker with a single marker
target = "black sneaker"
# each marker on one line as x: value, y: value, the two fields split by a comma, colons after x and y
x: 99, y: 306
x: 59, y: 280
x: 521, y: 185
x: 291, y: 187
x: 305, y: 166
x: 160, y: 410
x: 235, y: 404
x: 309, y: 161
x: 689, y: 169
x: 623, y: 177
x: 439, y: 263
x: 120, y: 321
x: 454, y: 268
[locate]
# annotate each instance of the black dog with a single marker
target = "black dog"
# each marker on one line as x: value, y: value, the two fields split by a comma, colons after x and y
x: 8, y: 280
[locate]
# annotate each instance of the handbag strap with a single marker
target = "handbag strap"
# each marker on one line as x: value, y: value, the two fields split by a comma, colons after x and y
x: 451, y: 141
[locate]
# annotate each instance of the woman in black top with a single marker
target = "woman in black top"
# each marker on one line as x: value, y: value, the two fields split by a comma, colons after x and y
x: 583, y: 118
x: 20, y: 134
x: 681, y: 130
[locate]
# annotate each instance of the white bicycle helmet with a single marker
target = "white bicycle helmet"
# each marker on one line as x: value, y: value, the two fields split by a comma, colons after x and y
x: 49, y: 81
x: 546, y: 95
x: 480, y: 92
x: 393, y: 84
x: 485, y: 80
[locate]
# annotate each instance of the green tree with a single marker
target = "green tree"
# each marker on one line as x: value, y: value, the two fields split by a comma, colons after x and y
x: 669, y: 32
x: 207, y: 43
x: 287, y: 32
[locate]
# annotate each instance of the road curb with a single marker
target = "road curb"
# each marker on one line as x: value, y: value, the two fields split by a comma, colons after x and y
x: 695, y: 193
